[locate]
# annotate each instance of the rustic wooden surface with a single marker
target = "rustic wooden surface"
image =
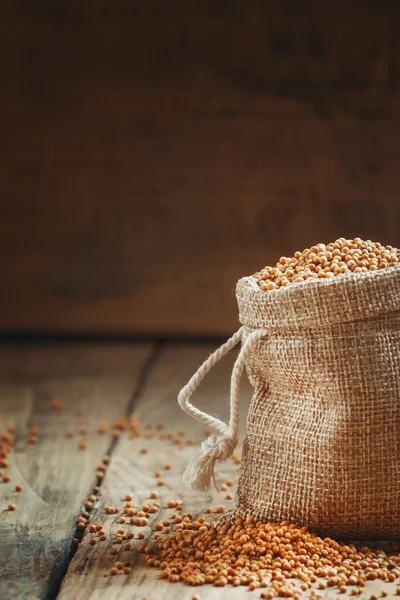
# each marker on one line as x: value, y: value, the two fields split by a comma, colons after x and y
x: 56, y: 477
x: 36, y: 559
x: 132, y: 472
x: 152, y: 153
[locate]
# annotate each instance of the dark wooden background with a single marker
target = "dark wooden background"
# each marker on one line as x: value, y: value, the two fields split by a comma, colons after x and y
x: 151, y: 153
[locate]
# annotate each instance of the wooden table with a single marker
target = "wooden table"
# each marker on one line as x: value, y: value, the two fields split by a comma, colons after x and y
x: 95, y: 384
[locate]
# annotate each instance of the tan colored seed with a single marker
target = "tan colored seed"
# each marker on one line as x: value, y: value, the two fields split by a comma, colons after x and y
x: 325, y: 261
x: 11, y: 507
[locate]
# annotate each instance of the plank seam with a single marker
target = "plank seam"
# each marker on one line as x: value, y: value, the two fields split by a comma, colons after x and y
x: 57, y: 577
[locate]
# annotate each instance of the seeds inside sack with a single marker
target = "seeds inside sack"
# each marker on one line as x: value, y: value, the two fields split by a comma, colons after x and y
x: 324, y: 261
x: 323, y: 359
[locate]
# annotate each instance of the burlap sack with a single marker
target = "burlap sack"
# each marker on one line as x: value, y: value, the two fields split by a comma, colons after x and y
x: 322, y: 446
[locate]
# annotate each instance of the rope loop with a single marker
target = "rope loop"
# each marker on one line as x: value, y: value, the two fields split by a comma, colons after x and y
x: 200, y: 471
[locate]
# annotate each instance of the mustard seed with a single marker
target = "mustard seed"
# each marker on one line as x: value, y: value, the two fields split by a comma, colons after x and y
x: 324, y: 262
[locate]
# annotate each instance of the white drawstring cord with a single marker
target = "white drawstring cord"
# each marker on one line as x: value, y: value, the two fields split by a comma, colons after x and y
x: 200, y: 470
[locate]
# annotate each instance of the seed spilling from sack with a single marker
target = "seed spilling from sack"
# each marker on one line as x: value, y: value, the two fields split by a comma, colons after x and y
x: 328, y: 260
x: 272, y: 555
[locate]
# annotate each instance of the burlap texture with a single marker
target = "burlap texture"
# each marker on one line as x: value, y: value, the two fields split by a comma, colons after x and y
x: 322, y: 447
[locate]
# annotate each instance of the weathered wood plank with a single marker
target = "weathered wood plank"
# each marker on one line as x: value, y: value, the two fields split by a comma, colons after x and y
x: 56, y: 476
x: 152, y: 154
x: 132, y: 472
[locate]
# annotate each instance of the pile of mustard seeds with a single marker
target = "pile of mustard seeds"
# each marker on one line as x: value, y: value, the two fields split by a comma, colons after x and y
x: 324, y: 261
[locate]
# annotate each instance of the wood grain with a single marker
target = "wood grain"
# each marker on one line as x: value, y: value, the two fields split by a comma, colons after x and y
x: 151, y: 155
x: 132, y: 472
x: 56, y: 477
